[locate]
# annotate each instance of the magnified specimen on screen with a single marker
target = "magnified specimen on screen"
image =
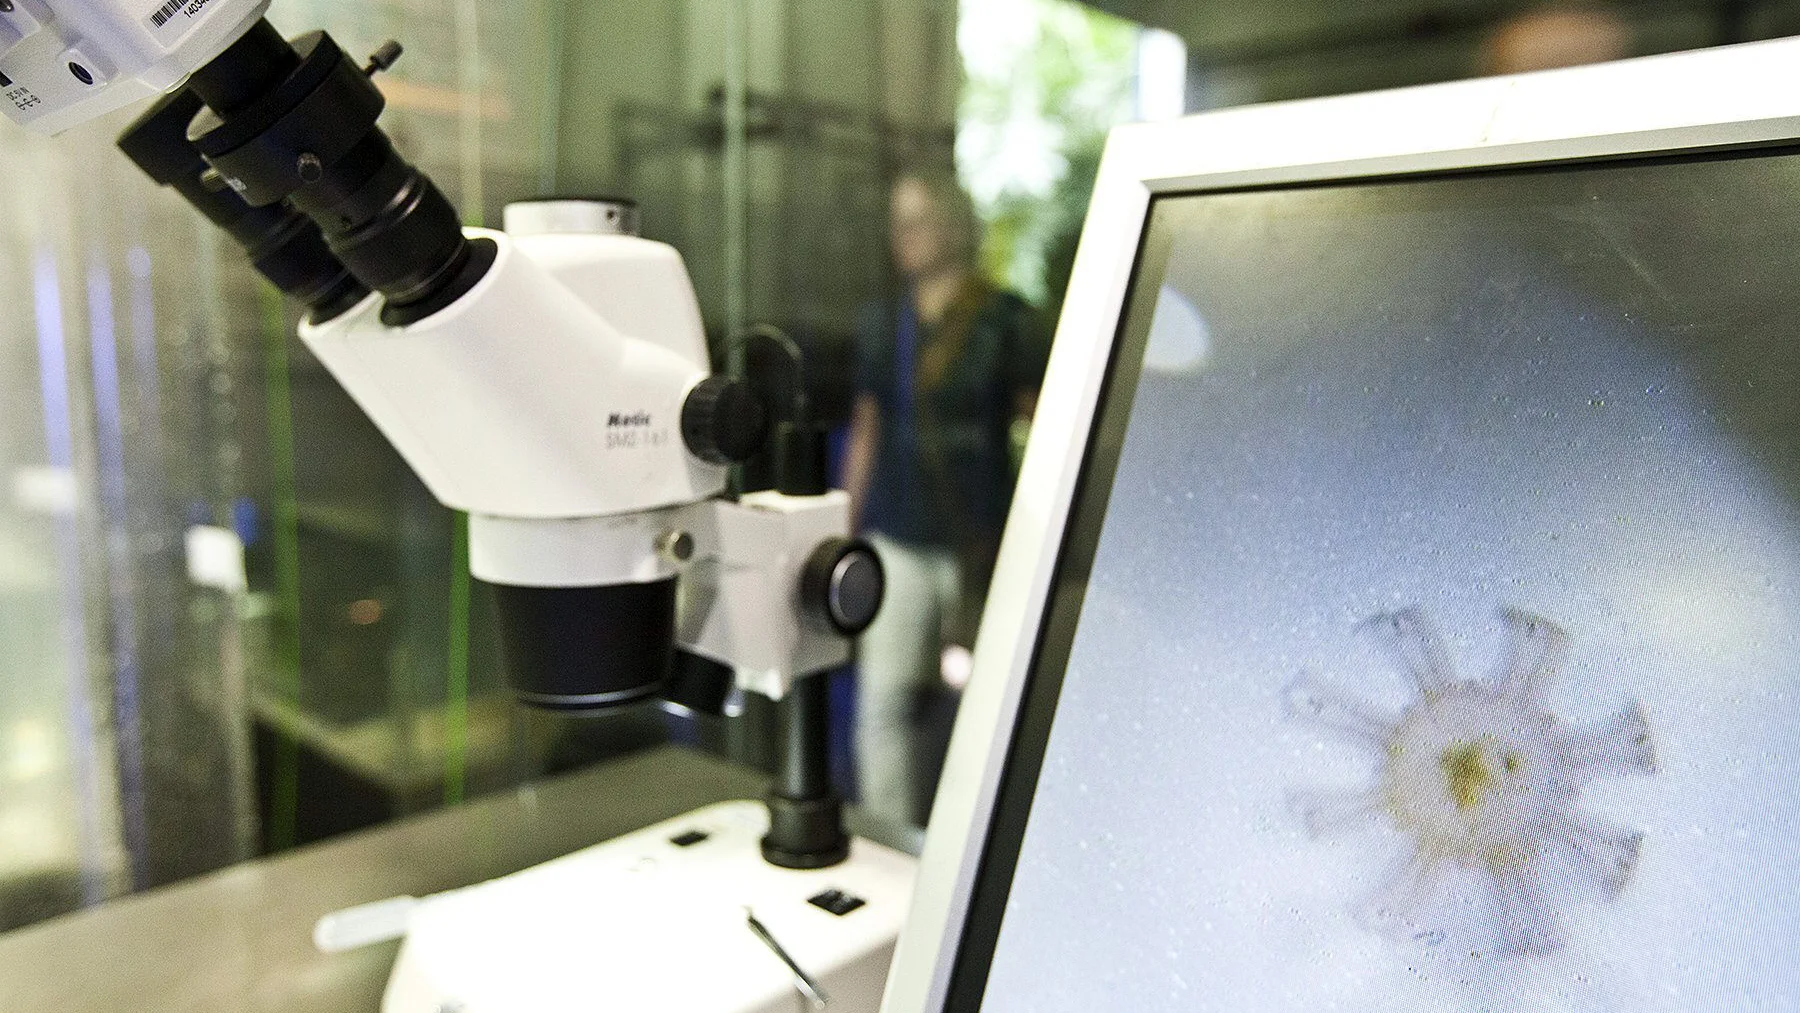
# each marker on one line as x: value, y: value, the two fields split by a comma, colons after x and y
x: 1484, y: 782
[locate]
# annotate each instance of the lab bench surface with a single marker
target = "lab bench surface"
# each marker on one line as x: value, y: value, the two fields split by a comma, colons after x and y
x: 241, y: 939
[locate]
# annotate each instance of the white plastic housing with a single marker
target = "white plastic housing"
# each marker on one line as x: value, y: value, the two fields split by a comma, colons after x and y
x: 642, y: 923
x: 547, y: 403
x: 641, y: 287
x: 740, y: 595
x: 578, y: 552
x: 598, y: 216
x: 524, y: 400
x: 129, y: 49
x: 739, y: 602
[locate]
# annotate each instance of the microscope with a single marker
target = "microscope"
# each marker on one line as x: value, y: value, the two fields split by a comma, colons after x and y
x: 552, y: 381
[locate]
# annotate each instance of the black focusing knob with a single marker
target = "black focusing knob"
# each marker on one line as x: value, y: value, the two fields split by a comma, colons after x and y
x: 722, y: 421
x: 843, y: 584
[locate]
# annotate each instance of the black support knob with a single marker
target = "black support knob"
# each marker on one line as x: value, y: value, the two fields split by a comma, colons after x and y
x: 843, y: 584
x: 722, y: 421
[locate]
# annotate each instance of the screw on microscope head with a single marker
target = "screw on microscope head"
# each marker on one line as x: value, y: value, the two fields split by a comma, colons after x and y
x: 384, y: 57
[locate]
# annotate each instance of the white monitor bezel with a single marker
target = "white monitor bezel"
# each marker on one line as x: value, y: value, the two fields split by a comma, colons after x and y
x: 1708, y: 99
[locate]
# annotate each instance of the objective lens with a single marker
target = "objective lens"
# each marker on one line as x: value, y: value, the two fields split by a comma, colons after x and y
x: 587, y: 648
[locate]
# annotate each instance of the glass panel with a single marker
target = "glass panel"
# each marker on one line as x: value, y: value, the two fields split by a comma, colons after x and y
x: 155, y: 411
x: 398, y: 704
x: 122, y: 744
x: 231, y: 619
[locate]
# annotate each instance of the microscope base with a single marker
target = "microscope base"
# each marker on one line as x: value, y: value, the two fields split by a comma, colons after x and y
x: 657, y: 920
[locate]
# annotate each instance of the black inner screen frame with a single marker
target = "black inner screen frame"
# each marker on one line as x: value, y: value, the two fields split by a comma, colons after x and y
x: 1026, y: 750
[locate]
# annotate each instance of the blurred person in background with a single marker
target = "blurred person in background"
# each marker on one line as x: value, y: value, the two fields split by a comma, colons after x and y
x: 1552, y: 37
x: 945, y: 369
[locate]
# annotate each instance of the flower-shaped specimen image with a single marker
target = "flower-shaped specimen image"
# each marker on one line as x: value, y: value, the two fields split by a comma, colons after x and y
x: 1483, y: 782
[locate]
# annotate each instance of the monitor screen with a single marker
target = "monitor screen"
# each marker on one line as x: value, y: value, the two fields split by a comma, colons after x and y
x: 1427, y: 636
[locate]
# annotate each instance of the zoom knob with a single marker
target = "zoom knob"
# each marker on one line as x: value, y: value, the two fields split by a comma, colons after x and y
x: 722, y: 422
x: 842, y: 585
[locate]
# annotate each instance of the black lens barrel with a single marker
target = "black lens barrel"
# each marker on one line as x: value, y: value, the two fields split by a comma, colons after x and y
x: 297, y: 123
x: 323, y: 109
x: 395, y: 229
x: 247, y: 71
x: 587, y: 649
x: 283, y: 244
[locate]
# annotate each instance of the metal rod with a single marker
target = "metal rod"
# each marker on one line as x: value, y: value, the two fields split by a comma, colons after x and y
x: 807, y: 985
x: 805, y: 761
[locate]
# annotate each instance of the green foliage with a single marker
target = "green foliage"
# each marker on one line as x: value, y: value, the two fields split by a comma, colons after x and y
x: 1045, y: 81
x: 1063, y: 218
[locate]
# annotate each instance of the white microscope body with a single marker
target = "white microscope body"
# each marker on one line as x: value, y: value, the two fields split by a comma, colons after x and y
x: 546, y: 403
x: 553, y: 381
x: 580, y: 345
x: 657, y: 920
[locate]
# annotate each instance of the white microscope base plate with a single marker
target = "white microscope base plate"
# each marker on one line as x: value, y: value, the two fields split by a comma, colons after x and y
x: 642, y: 923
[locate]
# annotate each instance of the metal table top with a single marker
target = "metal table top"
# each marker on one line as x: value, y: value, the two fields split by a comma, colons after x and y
x: 241, y: 939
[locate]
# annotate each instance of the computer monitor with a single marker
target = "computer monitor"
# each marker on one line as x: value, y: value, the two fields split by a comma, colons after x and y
x: 1400, y: 609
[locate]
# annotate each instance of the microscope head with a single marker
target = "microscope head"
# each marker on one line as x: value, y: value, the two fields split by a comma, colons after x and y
x: 558, y: 403
x: 552, y: 380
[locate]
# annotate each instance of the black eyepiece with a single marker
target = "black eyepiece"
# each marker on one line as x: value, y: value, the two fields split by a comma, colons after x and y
x: 296, y: 122
x: 283, y: 244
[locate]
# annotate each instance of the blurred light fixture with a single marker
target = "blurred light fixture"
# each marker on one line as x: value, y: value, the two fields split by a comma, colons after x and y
x: 1161, y: 90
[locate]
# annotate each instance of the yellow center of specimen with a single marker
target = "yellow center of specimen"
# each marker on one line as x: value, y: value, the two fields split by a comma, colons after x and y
x: 1466, y: 769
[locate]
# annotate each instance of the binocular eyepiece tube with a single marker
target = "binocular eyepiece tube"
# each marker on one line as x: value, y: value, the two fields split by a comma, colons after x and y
x: 277, y: 142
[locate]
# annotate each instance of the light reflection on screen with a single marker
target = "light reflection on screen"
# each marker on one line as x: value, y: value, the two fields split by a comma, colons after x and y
x: 1441, y: 645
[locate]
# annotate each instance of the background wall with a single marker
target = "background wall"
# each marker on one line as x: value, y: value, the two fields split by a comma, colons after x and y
x: 758, y: 140
x: 1243, y: 52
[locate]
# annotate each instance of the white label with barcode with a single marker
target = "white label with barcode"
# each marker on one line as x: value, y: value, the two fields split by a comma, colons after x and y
x: 173, y: 19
